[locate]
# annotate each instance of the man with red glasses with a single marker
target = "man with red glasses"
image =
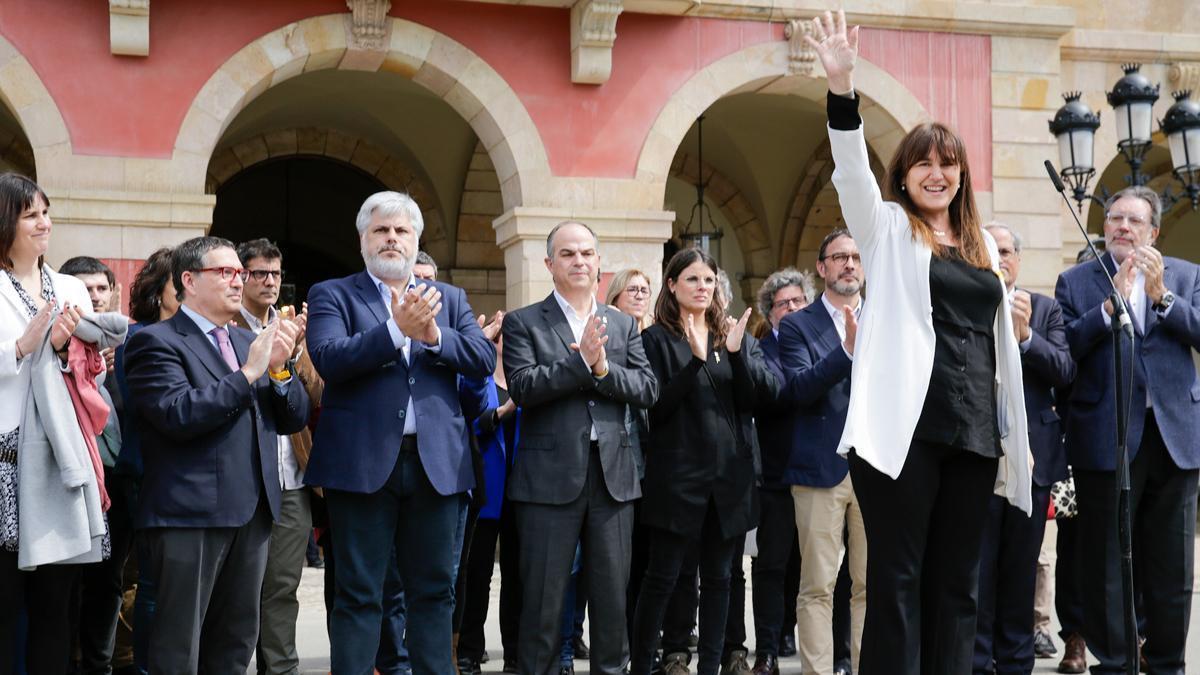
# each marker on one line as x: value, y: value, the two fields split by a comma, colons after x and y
x: 211, y: 399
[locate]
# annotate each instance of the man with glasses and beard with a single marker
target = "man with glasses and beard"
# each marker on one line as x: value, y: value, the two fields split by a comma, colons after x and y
x: 391, y: 449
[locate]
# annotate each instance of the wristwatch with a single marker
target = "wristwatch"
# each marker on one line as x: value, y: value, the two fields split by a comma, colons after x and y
x: 1168, y: 299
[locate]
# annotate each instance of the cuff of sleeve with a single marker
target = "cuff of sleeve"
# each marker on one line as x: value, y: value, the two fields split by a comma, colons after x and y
x: 842, y: 112
x: 397, y: 336
x: 281, y: 386
x: 846, y: 351
x: 1026, y: 343
x: 436, y: 348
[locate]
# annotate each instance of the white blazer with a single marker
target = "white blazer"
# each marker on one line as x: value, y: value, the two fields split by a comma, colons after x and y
x: 893, y: 351
x: 14, y: 375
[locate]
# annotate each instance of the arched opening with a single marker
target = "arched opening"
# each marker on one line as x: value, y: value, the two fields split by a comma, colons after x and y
x: 16, y: 154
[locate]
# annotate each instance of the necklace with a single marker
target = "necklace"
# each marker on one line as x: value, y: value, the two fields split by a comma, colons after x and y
x: 940, y: 233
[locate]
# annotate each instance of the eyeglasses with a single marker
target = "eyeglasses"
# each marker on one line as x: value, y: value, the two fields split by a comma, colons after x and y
x: 227, y: 273
x: 261, y: 275
x: 1118, y: 218
x: 636, y: 291
x: 790, y: 303
x: 843, y: 258
x: 1006, y: 253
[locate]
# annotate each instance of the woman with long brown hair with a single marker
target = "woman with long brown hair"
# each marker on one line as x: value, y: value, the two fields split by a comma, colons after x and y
x: 937, y: 416
x: 700, y: 462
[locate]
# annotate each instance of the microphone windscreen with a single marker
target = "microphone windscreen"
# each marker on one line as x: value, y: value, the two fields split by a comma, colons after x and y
x: 1058, y: 184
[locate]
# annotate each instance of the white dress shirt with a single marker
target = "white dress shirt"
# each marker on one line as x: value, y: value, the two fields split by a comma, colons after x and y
x: 839, y: 320
x: 402, y: 341
x: 577, y: 324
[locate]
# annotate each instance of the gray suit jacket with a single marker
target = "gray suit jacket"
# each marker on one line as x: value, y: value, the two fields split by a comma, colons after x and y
x: 560, y: 400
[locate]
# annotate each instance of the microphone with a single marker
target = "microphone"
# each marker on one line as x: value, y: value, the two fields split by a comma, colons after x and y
x: 1120, y: 310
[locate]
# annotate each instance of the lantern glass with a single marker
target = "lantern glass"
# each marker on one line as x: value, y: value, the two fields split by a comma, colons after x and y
x: 1134, y: 122
x: 1076, y: 151
x: 1185, y: 153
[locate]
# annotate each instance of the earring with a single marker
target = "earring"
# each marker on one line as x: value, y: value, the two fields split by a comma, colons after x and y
x: 903, y: 188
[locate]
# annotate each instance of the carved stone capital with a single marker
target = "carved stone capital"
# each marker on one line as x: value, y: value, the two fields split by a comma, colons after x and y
x: 129, y: 27
x: 593, y: 33
x: 801, y: 57
x: 1184, y: 75
x: 369, y: 23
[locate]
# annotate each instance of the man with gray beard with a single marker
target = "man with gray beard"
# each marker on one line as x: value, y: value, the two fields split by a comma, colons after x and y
x: 392, y: 450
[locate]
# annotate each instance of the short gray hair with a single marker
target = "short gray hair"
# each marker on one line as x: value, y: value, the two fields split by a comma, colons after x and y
x: 781, y: 279
x: 997, y: 225
x: 1143, y: 193
x: 424, y: 258
x: 554, y: 231
x: 388, y: 204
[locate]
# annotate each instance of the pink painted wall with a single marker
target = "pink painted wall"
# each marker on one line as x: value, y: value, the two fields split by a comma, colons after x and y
x: 130, y: 106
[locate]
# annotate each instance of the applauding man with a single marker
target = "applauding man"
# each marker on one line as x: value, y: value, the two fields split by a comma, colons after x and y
x: 391, y: 449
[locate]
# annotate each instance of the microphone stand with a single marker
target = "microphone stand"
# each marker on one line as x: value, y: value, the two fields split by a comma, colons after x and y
x: 1122, y: 328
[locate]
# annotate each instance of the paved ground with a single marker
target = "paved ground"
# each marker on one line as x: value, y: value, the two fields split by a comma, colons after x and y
x: 314, y: 643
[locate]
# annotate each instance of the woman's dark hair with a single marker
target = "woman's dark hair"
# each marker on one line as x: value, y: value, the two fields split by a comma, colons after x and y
x: 964, y: 215
x: 148, y: 286
x: 666, y: 311
x: 16, y: 195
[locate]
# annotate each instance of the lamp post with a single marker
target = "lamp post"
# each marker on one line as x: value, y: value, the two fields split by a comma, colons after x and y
x: 701, y: 239
x: 1132, y: 98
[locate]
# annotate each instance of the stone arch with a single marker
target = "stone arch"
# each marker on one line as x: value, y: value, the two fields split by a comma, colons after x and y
x: 888, y: 108
x: 752, y: 235
x: 447, y: 68
x: 369, y: 157
x: 810, y: 192
x: 23, y: 92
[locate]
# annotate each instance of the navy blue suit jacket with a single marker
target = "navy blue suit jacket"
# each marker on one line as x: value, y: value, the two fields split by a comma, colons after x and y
x: 1162, y: 364
x: 208, y: 438
x: 1046, y: 368
x: 773, y: 420
x: 368, y: 384
x: 818, y: 387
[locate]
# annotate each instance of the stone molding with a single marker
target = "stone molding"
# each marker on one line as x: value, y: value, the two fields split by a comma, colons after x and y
x: 1184, y: 76
x: 132, y: 209
x: 593, y: 33
x: 801, y: 56
x: 129, y: 27
x: 1117, y: 46
x: 369, y: 23
x: 440, y: 64
x: 23, y: 92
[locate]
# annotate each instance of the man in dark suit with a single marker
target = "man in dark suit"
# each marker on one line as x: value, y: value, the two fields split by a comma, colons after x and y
x: 1012, y: 540
x: 573, y: 365
x: 783, y: 293
x: 1164, y: 422
x: 816, y: 347
x: 391, y: 449
x: 211, y: 400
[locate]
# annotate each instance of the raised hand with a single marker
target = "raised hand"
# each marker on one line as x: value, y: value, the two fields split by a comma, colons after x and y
x: 851, y: 328
x: 698, y: 343
x: 285, y: 343
x: 114, y: 301
x: 31, y: 339
x: 415, y: 313
x: 259, y: 356
x: 591, y: 344
x: 64, y: 326
x: 491, y: 330
x: 733, y: 339
x: 1150, y: 262
x: 837, y: 48
x: 1124, y: 283
x: 1022, y: 312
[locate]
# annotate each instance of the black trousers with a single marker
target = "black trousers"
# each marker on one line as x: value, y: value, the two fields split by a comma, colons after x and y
x: 44, y: 596
x: 1068, y: 583
x: 924, y: 531
x: 1163, y: 515
x: 1007, y: 580
x: 776, y: 540
x: 480, y: 565
x: 735, y: 615
x: 667, y: 553
x: 102, y: 583
x: 680, y: 618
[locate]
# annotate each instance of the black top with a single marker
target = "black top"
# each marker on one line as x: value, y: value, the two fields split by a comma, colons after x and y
x: 960, y: 407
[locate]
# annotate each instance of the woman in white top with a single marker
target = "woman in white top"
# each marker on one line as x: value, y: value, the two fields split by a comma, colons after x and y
x: 30, y: 293
x: 937, y: 417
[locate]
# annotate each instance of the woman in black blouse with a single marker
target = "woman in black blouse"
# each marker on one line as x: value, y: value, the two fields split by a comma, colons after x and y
x: 937, y: 398
x: 700, y: 463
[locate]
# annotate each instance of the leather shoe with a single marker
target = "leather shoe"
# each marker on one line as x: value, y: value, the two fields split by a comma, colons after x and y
x: 1074, y: 655
x: 765, y: 664
x: 580, y: 648
x: 1043, y: 645
x: 787, y: 646
x: 736, y: 663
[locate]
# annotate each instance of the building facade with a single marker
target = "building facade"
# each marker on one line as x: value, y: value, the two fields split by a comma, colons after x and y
x: 149, y: 124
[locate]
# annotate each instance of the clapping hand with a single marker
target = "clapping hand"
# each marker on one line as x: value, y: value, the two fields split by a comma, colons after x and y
x: 1022, y: 312
x: 851, y: 328
x: 591, y: 345
x: 34, y: 332
x: 491, y: 329
x: 1124, y: 283
x: 1150, y: 262
x: 737, y: 332
x: 416, y: 311
x: 64, y: 326
x: 285, y: 343
x: 838, y: 50
x: 698, y: 344
x: 260, y: 353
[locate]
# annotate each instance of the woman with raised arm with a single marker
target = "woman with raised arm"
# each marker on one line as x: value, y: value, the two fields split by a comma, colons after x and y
x: 937, y: 416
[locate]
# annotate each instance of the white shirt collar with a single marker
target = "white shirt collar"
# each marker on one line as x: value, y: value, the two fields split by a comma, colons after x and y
x: 204, y: 324
x: 569, y: 311
x: 836, y: 312
x: 385, y: 291
x: 252, y: 321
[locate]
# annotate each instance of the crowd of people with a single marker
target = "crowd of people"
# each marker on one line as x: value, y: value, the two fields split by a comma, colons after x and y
x: 893, y: 452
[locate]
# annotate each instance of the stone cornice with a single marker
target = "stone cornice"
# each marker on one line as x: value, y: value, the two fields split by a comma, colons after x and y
x: 1114, y: 46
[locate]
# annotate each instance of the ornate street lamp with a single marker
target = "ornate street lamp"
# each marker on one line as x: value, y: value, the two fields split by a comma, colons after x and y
x: 701, y: 239
x: 1132, y: 98
x: 1182, y: 127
